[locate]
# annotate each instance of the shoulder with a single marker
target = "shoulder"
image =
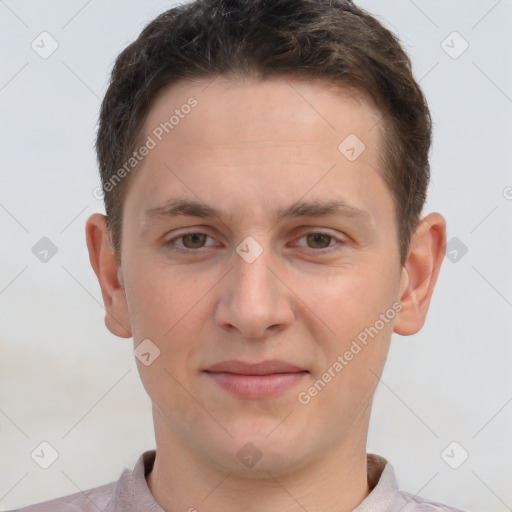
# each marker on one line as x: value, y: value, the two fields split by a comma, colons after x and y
x: 386, y: 495
x: 129, y: 493
x: 90, y: 500
x: 410, y: 503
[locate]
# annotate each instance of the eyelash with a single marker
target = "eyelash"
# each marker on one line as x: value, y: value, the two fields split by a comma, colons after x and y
x: 330, y: 248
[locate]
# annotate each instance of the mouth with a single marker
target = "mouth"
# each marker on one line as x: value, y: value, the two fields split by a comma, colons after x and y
x: 255, y: 380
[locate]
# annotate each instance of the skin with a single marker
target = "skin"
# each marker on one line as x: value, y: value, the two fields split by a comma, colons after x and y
x: 248, y: 148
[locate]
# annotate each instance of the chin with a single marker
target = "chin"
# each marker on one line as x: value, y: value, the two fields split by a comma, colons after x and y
x: 256, y: 454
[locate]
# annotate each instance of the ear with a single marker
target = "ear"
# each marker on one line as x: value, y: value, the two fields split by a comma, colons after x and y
x: 109, y: 273
x: 419, y: 273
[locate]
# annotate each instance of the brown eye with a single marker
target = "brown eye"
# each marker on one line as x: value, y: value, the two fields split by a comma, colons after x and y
x: 193, y: 240
x: 189, y: 243
x: 319, y: 240
x: 321, y: 243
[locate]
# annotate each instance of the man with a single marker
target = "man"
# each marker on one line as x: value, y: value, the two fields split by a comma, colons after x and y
x: 265, y: 165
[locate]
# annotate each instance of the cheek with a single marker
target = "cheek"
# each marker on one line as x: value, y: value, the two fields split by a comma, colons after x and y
x: 352, y: 298
x: 159, y: 296
x: 354, y: 355
x: 351, y: 304
x: 170, y: 306
x: 164, y: 307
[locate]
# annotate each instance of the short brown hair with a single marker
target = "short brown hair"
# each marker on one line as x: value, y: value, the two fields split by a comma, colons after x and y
x: 328, y: 39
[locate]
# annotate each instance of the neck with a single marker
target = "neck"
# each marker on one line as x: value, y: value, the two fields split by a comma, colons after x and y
x: 334, y: 482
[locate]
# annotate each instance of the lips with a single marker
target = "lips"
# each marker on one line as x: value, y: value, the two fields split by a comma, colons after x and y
x: 263, y: 368
x: 255, y: 380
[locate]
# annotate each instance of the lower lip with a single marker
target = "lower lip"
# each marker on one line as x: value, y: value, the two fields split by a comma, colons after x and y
x: 256, y: 386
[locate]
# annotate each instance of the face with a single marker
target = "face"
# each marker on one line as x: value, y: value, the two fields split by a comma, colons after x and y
x: 256, y: 250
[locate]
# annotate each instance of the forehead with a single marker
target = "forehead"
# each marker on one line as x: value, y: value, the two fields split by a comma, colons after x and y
x: 267, y: 140
x: 272, y: 111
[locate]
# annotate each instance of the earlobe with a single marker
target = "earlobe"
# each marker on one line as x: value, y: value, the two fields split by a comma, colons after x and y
x: 420, y: 272
x: 109, y: 273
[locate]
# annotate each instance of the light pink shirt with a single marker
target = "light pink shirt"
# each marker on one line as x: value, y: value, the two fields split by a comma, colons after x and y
x: 131, y: 493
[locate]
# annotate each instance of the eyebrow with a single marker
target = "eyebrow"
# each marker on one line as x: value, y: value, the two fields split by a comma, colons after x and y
x: 191, y: 207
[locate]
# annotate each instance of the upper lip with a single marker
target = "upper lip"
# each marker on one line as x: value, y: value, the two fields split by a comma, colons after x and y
x: 267, y: 367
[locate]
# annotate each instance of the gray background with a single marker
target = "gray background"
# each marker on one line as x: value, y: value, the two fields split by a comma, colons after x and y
x: 66, y: 380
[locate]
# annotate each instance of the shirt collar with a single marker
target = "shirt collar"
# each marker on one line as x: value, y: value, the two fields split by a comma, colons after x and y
x: 382, y: 483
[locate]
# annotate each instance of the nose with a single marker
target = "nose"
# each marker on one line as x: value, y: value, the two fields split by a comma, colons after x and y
x: 255, y: 301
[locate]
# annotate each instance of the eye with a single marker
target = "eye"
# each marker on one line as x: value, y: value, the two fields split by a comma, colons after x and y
x: 190, y: 241
x: 320, y: 241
